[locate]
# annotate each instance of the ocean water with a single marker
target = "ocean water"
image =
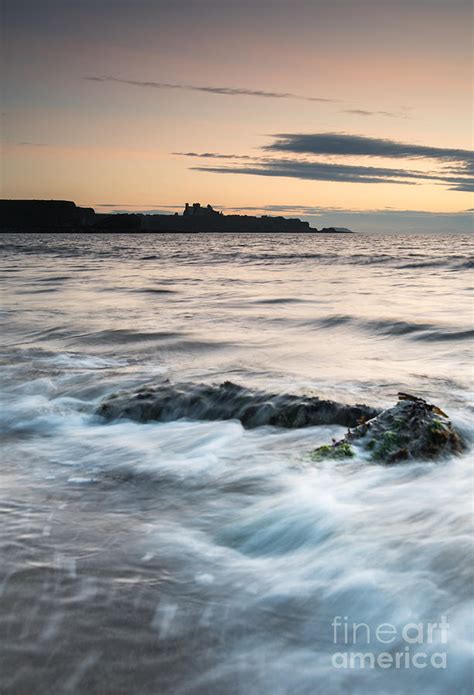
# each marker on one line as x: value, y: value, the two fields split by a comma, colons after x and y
x: 194, y: 557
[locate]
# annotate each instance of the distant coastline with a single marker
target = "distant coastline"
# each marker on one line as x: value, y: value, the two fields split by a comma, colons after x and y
x: 66, y: 216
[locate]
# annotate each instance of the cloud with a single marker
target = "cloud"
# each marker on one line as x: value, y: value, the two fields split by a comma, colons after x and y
x: 316, y: 210
x: 289, y: 209
x: 33, y: 144
x: 346, y: 144
x: 465, y: 168
x: 307, y: 171
x: 342, y: 173
x: 238, y: 91
x: 456, y: 172
x: 213, y: 155
x: 224, y: 91
x: 467, y: 186
x: 363, y: 112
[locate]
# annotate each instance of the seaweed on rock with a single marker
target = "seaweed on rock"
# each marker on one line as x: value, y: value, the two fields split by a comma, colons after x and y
x: 412, y: 429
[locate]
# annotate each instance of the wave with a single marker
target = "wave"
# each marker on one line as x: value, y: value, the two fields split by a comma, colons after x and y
x: 465, y: 265
x: 124, y: 336
x: 282, y: 300
x: 446, y: 335
x: 154, y: 290
x: 386, y: 327
x: 288, y: 250
x: 54, y: 278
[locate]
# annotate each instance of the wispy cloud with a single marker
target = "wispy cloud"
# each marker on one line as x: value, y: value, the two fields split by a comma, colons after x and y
x: 342, y: 173
x: 213, y: 155
x: 456, y: 172
x: 32, y: 144
x: 312, y: 172
x: 466, y: 186
x: 364, y: 112
x: 315, y: 210
x: 135, y: 205
x: 241, y: 91
x: 465, y: 171
x: 346, y: 144
x: 224, y: 91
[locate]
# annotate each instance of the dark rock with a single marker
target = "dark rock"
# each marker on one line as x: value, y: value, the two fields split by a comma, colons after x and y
x: 229, y: 401
x: 412, y: 429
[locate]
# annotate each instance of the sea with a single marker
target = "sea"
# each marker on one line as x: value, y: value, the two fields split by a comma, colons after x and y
x: 196, y: 557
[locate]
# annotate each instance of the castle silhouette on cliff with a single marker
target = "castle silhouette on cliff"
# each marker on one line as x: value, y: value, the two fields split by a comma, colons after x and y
x: 66, y: 216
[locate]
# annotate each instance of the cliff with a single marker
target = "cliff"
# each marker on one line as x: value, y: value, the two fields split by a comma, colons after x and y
x: 63, y: 215
x: 43, y: 215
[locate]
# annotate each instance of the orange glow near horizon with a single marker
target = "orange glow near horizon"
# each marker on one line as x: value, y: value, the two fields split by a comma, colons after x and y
x: 397, y: 71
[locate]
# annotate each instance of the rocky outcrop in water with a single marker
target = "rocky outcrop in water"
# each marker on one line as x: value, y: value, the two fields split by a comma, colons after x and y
x: 412, y: 429
x: 229, y: 401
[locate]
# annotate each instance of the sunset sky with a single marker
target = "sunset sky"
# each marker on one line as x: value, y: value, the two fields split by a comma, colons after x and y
x: 350, y: 112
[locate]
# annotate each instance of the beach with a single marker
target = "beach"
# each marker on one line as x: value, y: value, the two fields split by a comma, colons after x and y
x: 200, y: 556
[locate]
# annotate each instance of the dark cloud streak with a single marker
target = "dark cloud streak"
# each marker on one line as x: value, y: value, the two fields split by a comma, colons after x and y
x: 457, y: 177
x: 213, y: 155
x: 465, y: 186
x: 316, y: 172
x: 364, y: 112
x: 342, y: 173
x: 224, y: 91
x: 361, y: 145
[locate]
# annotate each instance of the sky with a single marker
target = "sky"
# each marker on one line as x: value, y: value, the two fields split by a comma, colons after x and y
x: 356, y: 113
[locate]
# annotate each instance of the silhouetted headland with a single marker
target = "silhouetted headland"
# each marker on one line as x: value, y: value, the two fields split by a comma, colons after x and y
x: 66, y: 216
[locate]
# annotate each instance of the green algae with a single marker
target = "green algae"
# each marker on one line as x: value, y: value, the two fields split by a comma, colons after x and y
x: 411, y: 430
x: 337, y: 451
